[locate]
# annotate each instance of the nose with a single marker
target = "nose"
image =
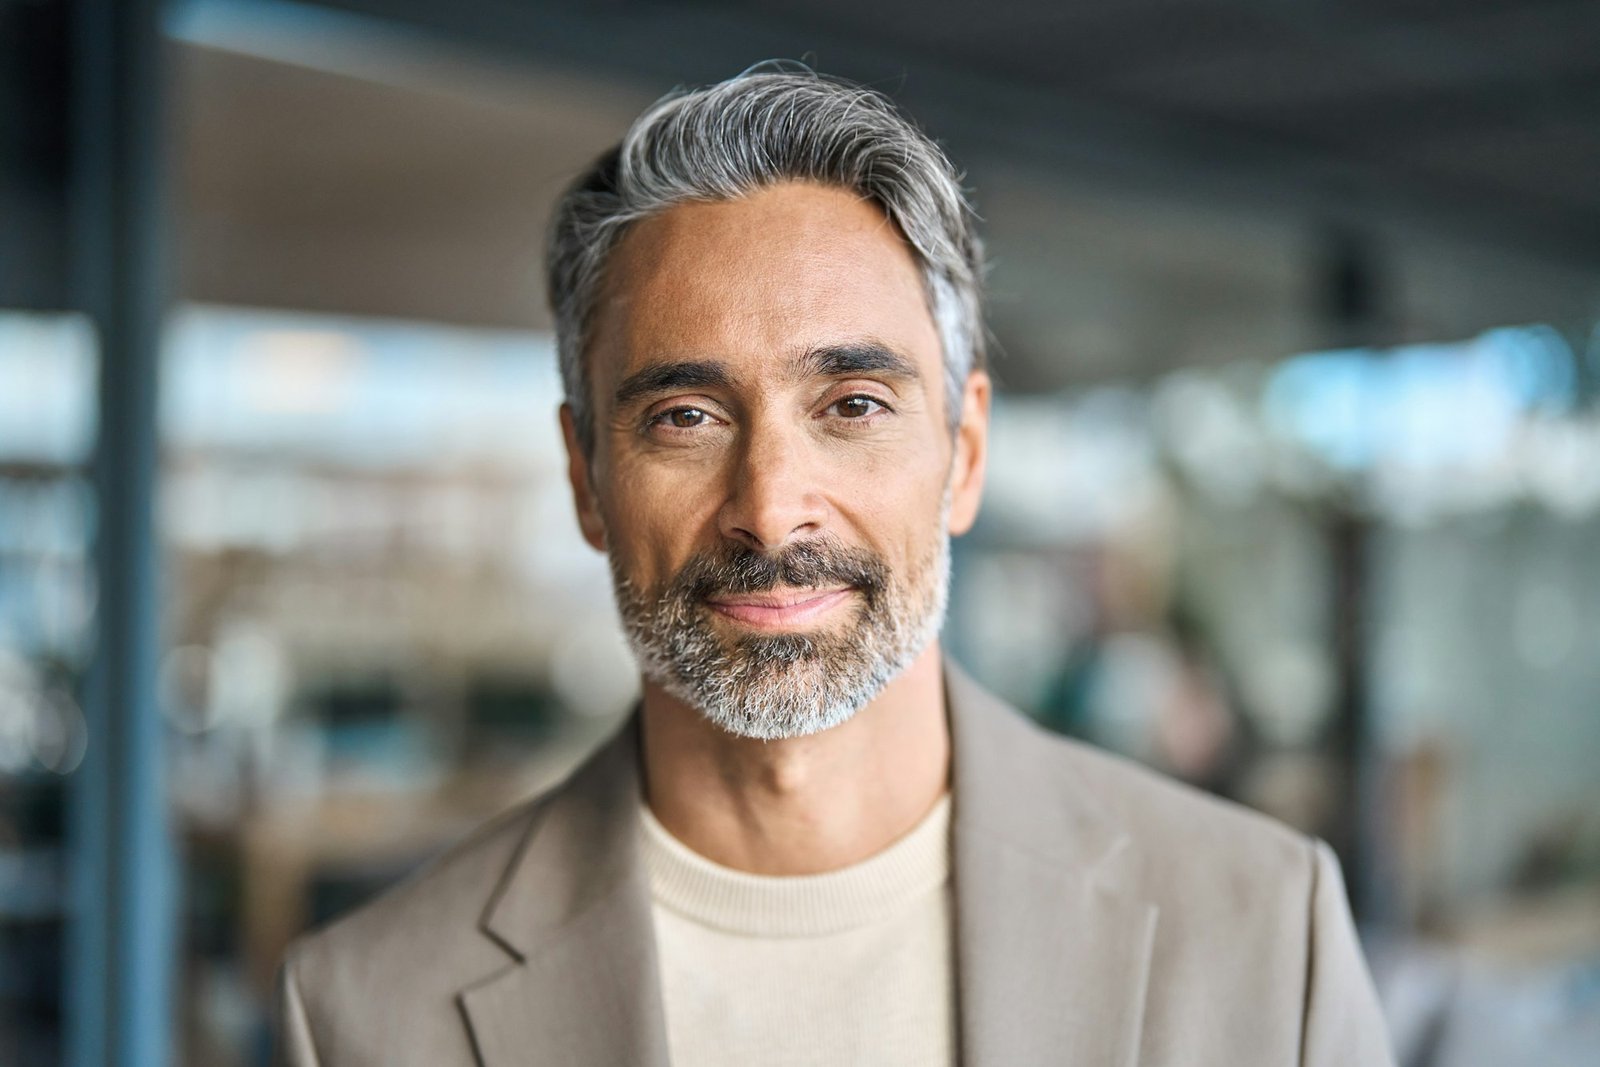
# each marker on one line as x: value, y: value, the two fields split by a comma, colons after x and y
x: 774, y: 497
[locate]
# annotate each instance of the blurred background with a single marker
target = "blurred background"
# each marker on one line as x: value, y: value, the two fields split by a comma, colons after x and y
x: 1295, y: 488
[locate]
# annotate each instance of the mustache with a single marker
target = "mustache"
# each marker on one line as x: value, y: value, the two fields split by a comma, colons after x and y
x: 733, y: 569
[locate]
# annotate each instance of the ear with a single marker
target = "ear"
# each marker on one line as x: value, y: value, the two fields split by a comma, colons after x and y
x: 971, y: 453
x: 580, y: 476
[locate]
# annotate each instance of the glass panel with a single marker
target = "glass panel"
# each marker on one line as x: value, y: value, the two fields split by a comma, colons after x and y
x: 47, y: 391
x: 384, y: 625
x: 1166, y: 570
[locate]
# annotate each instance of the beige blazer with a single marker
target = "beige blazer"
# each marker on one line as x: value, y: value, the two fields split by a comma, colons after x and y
x: 1104, y: 916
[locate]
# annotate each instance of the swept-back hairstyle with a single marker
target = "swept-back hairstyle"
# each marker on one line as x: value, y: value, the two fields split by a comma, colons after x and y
x: 765, y: 126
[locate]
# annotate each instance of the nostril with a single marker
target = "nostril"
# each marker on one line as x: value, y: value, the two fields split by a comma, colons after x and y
x: 767, y: 511
x: 749, y: 539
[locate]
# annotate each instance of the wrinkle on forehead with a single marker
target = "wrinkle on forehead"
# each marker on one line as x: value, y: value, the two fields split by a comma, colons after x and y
x: 790, y: 268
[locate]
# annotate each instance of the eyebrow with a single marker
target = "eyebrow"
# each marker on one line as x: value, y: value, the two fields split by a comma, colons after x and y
x: 669, y: 377
x: 856, y: 357
x: 827, y: 361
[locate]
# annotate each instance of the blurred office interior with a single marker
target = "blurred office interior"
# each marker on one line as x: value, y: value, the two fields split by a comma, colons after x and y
x: 1294, y: 493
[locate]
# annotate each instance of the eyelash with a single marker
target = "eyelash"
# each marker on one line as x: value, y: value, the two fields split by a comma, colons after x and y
x: 661, y: 418
x: 881, y: 406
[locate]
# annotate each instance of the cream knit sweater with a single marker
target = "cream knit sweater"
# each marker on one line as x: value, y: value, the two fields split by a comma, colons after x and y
x: 849, y: 967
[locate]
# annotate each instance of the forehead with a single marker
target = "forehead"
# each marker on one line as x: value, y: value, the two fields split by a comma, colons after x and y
x: 788, y: 268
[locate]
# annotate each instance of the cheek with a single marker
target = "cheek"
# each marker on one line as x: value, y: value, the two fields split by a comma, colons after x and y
x: 898, y: 512
x: 655, y: 520
x: 888, y: 488
x: 906, y: 457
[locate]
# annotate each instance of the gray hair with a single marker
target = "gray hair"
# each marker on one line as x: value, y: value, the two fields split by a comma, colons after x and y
x: 760, y: 128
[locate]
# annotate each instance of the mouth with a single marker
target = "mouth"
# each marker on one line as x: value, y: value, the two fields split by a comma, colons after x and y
x: 781, y: 609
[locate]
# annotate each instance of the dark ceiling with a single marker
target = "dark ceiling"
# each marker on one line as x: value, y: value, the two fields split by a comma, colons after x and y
x: 1488, y: 98
x: 1472, y: 116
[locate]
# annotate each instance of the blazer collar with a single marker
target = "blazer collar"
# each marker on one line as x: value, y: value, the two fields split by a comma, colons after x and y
x: 573, y: 912
x: 1052, y: 949
x: 1052, y: 946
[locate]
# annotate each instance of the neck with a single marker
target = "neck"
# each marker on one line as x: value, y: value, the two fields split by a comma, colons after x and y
x: 803, y: 805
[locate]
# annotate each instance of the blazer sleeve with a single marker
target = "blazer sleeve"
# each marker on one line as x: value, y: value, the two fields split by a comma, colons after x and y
x: 1343, y: 1025
x: 292, y: 1044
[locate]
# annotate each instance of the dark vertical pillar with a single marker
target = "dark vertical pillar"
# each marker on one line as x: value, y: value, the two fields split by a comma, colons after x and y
x: 1348, y: 540
x: 119, y: 972
x: 34, y: 133
x: 1351, y: 305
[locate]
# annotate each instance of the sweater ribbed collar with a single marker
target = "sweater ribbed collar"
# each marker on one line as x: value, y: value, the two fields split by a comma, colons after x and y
x: 810, y: 905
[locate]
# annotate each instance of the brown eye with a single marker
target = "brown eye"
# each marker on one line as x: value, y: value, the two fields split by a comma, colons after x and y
x: 686, y: 418
x: 857, y: 407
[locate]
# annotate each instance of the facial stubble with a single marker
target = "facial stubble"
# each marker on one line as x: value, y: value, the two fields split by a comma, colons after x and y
x: 779, y: 685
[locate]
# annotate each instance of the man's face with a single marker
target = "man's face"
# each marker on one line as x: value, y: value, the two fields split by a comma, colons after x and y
x: 773, y: 474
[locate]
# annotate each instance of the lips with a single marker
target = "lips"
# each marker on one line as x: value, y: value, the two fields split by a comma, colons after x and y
x: 780, y: 608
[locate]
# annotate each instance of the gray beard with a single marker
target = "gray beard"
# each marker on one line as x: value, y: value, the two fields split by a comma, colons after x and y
x: 774, y: 686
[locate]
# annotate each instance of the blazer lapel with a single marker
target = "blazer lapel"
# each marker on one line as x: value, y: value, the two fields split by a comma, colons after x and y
x: 573, y: 913
x: 1052, y: 949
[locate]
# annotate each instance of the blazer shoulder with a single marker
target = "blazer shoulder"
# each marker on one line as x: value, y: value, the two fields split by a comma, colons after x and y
x: 1183, y: 830
x: 425, y: 923
x: 383, y: 982
x: 1251, y: 911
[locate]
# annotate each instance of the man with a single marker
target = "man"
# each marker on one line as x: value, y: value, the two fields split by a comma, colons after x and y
x: 817, y: 842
